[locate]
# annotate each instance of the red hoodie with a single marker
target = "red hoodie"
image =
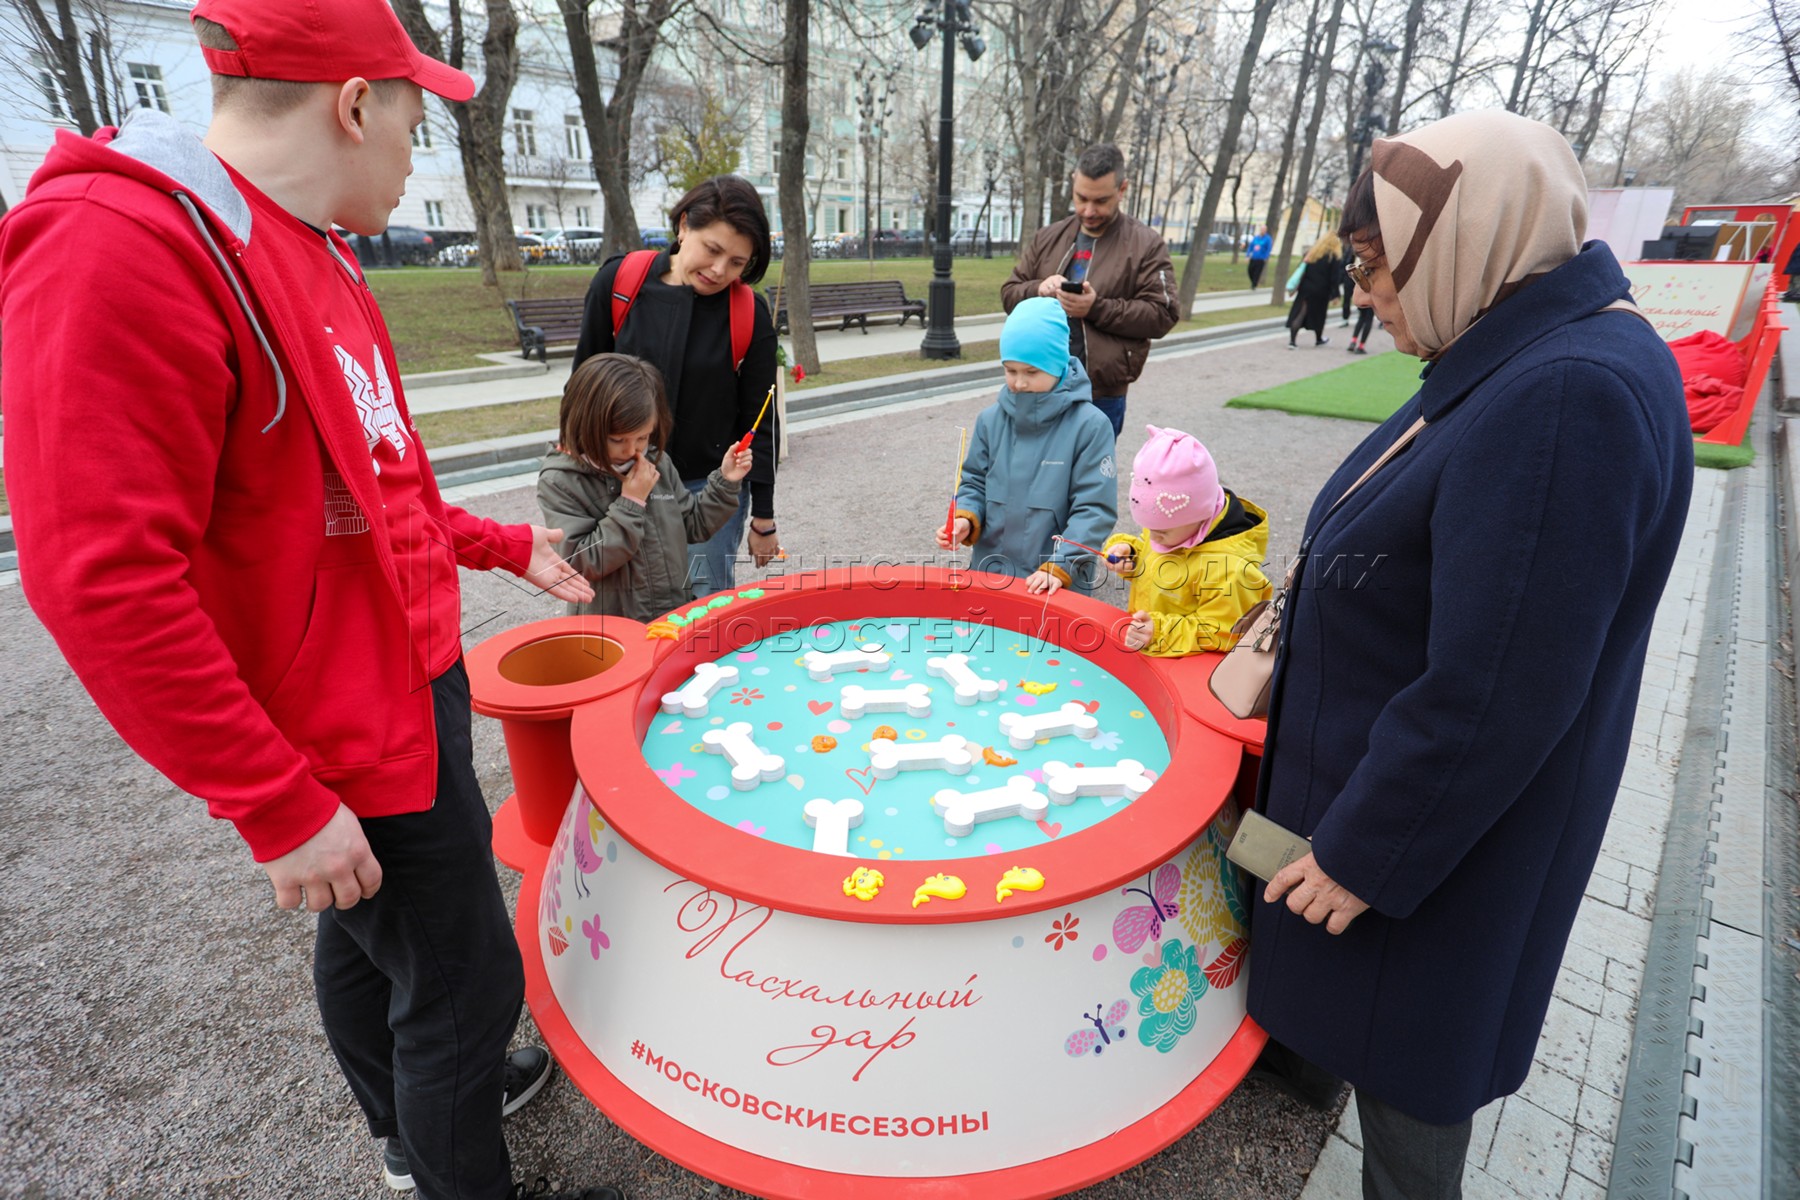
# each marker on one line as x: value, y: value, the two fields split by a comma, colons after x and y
x: 215, y: 583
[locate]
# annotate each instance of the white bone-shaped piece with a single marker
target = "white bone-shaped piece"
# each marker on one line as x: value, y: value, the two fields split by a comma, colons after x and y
x: 1072, y: 717
x: 955, y: 670
x: 693, y: 697
x: 750, y: 763
x: 823, y: 664
x: 951, y: 753
x: 914, y: 700
x: 1125, y: 778
x: 832, y: 821
x: 1018, y: 797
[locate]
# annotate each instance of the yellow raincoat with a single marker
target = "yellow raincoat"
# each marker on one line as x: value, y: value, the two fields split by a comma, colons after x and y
x: 1194, y: 596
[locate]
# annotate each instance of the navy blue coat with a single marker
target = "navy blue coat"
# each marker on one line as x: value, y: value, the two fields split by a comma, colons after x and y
x: 1455, y: 691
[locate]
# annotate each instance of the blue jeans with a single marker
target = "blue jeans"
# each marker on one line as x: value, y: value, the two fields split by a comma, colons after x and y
x: 712, y: 564
x: 1114, y: 409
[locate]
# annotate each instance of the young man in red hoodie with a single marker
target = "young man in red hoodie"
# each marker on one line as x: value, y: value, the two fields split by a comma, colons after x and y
x: 269, y: 612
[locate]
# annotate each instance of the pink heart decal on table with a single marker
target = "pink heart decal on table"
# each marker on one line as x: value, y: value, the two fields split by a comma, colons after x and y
x: 672, y: 727
x: 819, y: 707
x: 898, y: 675
x: 858, y: 775
x: 752, y: 828
x: 1053, y: 831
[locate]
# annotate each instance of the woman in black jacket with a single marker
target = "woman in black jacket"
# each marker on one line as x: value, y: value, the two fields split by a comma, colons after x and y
x: 680, y: 321
x: 1319, y: 277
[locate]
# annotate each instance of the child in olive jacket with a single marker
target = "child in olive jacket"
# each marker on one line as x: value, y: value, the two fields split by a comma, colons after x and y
x: 626, y: 518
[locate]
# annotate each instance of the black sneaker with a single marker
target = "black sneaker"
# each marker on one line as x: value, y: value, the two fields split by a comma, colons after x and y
x: 527, y: 1071
x: 396, y: 1172
x: 541, y: 1191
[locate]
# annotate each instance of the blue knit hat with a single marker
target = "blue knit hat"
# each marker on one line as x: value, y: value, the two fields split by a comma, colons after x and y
x: 1037, y: 334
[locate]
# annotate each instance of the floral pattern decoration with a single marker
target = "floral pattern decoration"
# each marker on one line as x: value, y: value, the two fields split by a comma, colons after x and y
x: 1062, y: 931
x: 1167, y: 995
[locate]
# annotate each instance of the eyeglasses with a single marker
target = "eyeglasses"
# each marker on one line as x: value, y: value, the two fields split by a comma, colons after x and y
x: 1360, y: 270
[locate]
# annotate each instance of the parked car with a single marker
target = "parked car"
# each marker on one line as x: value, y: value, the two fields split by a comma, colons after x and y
x: 654, y: 239
x: 397, y: 246
x: 969, y: 241
x: 576, y: 243
x: 531, y: 249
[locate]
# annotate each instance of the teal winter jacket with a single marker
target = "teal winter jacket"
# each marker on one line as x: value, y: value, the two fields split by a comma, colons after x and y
x: 1039, y: 465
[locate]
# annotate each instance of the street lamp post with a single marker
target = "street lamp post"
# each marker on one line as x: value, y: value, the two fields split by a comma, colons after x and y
x: 955, y: 23
x: 990, y: 158
x: 875, y: 109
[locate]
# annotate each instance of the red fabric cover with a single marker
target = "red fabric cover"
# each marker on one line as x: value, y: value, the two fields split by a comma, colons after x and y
x: 1708, y: 353
x: 1710, y: 400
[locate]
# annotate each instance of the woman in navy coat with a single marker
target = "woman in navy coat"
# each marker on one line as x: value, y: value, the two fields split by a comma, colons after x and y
x: 1461, y: 650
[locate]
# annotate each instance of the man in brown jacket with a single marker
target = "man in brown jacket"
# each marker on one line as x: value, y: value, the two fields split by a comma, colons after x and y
x: 1111, y: 274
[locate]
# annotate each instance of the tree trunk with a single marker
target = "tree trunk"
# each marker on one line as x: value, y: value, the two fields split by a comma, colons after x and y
x: 796, y: 267
x: 1303, y: 176
x: 1522, y: 68
x: 1234, y: 124
x: 1454, y: 72
x: 1127, y: 80
x: 480, y: 122
x: 1415, y: 14
x: 1277, y: 197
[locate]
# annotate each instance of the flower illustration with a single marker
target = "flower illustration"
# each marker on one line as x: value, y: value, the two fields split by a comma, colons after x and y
x: 1167, y: 995
x: 1106, y: 739
x: 1212, y: 902
x: 550, y: 902
x: 746, y: 696
x: 1063, y: 930
x: 597, y: 941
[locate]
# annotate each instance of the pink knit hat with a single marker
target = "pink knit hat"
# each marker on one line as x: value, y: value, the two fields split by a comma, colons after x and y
x: 1175, y: 482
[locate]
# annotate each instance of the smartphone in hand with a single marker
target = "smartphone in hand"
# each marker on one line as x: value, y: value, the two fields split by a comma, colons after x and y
x: 1073, y: 287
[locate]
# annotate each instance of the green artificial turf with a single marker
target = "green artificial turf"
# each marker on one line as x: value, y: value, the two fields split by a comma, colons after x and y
x: 1370, y: 389
x: 1367, y: 389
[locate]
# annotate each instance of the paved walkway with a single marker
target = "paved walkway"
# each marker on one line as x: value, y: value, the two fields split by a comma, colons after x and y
x: 834, y: 346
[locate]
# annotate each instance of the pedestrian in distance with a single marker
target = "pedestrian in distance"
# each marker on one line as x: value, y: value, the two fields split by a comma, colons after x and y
x: 1257, y: 255
x: 1111, y: 274
x: 264, y: 603
x: 1316, y: 289
x: 1448, y: 735
x: 1039, y: 468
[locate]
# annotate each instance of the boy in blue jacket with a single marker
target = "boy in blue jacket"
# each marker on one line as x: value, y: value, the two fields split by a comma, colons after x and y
x: 1040, y: 463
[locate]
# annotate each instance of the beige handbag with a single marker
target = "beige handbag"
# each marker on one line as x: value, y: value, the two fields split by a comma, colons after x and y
x: 1244, y: 676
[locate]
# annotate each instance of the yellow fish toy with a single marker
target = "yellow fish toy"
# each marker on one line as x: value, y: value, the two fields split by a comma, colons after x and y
x: 947, y: 887
x: 1036, y: 689
x: 1021, y: 879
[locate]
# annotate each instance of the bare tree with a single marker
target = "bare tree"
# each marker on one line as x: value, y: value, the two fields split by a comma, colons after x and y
x: 1409, y: 45
x: 480, y: 121
x: 1782, y: 38
x: 609, y: 122
x: 796, y: 266
x: 1303, y: 173
x: 1228, y: 140
x: 72, y: 42
x: 1697, y: 140
x: 1302, y: 77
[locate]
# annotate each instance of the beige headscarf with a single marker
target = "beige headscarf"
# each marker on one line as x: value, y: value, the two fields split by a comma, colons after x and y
x: 1473, y: 208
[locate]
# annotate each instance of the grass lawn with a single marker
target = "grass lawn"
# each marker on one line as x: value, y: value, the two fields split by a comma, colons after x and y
x: 1373, y: 388
x: 442, y: 317
x: 1369, y: 389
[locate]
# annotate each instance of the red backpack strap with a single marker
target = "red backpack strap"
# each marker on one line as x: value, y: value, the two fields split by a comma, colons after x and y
x: 743, y: 321
x: 627, y: 283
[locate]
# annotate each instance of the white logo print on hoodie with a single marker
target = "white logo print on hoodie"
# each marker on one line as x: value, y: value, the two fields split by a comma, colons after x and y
x: 374, y: 402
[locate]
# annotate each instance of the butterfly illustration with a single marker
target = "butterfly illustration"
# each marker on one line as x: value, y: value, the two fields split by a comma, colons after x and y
x: 1143, y: 922
x: 1105, y: 1032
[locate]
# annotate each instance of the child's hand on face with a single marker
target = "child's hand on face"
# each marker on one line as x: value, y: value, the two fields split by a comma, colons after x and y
x: 1042, y: 581
x: 1121, y: 560
x: 736, y: 464
x: 642, y: 478
x: 963, y: 530
x: 1139, y: 631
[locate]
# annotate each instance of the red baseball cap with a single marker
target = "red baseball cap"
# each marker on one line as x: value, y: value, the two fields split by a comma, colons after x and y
x: 324, y: 41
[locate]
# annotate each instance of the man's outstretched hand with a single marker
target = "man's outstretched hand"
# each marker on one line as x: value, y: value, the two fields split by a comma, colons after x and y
x: 333, y: 867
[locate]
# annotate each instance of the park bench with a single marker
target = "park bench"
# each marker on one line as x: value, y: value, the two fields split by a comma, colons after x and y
x: 546, y: 320
x: 851, y: 302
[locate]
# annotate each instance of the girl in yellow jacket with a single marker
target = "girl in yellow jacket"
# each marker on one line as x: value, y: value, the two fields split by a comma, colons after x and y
x: 1197, y: 566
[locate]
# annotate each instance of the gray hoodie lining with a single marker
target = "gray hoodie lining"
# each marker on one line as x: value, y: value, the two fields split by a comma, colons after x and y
x: 159, y: 141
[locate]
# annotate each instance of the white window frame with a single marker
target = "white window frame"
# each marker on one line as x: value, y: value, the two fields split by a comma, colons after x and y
x: 524, y: 130
x: 537, y: 217
x: 421, y: 136
x: 584, y: 216
x: 434, y: 214
x: 575, y: 137
x: 148, y: 85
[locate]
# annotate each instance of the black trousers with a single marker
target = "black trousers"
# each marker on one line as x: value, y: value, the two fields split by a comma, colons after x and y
x: 1349, y: 291
x: 1256, y: 270
x: 1365, y: 325
x: 420, y: 986
x: 1405, y: 1158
